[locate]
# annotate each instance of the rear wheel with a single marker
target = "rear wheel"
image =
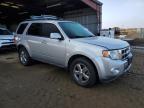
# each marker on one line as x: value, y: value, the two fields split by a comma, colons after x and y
x: 24, y: 57
x: 83, y: 72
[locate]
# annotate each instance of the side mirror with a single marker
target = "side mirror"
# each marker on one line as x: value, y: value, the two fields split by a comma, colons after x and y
x: 56, y: 36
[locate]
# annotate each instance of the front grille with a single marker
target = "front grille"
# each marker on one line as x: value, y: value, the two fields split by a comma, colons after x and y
x: 125, y: 53
x: 7, y: 42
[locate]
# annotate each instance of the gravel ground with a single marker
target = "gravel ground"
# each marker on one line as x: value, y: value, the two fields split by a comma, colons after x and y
x: 45, y: 86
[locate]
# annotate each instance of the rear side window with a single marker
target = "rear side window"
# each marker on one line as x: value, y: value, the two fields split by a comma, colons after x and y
x: 21, y: 28
x: 42, y: 29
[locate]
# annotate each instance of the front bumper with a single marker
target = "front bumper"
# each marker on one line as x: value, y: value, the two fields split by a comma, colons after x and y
x: 110, y: 70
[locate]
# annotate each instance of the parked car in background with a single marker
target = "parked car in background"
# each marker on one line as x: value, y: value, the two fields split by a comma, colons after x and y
x: 6, y: 39
x: 68, y: 44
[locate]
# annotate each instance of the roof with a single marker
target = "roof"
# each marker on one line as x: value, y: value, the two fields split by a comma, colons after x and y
x: 44, y: 21
x: 98, y: 2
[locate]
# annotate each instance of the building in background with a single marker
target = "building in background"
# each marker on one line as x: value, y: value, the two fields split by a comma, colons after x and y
x: 86, y: 12
x: 90, y: 16
x: 2, y: 26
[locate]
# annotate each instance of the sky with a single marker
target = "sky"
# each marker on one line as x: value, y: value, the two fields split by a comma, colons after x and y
x: 123, y: 13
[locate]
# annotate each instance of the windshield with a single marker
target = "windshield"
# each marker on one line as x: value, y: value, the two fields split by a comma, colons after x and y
x: 75, y: 30
x: 5, y: 32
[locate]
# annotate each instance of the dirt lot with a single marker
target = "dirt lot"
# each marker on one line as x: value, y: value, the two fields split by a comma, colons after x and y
x: 46, y: 86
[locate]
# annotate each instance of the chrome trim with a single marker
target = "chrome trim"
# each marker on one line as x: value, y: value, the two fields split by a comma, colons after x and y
x: 125, y: 53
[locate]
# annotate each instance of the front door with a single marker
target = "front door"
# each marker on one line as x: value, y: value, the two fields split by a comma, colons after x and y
x: 46, y: 49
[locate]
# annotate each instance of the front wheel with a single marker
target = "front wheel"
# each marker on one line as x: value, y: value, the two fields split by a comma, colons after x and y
x: 83, y: 72
x: 24, y: 57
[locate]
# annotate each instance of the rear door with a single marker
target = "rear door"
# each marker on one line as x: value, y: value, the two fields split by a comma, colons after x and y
x: 34, y: 39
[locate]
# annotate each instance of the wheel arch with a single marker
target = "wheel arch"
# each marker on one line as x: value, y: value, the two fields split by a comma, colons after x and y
x: 20, y: 46
x: 82, y: 56
x: 23, y: 46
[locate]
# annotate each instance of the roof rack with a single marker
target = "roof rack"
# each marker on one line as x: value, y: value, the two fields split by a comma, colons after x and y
x: 43, y: 17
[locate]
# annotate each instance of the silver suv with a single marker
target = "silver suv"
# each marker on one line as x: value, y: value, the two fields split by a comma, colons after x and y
x: 6, y: 39
x: 68, y: 44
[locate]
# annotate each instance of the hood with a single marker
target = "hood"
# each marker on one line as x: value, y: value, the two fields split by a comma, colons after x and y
x: 108, y: 43
x: 6, y: 37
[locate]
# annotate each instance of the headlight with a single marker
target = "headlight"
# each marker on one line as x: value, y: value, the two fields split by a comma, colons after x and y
x: 114, y: 54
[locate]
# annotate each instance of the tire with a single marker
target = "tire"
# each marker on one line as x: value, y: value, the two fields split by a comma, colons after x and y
x: 24, y: 57
x: 83, y: 72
